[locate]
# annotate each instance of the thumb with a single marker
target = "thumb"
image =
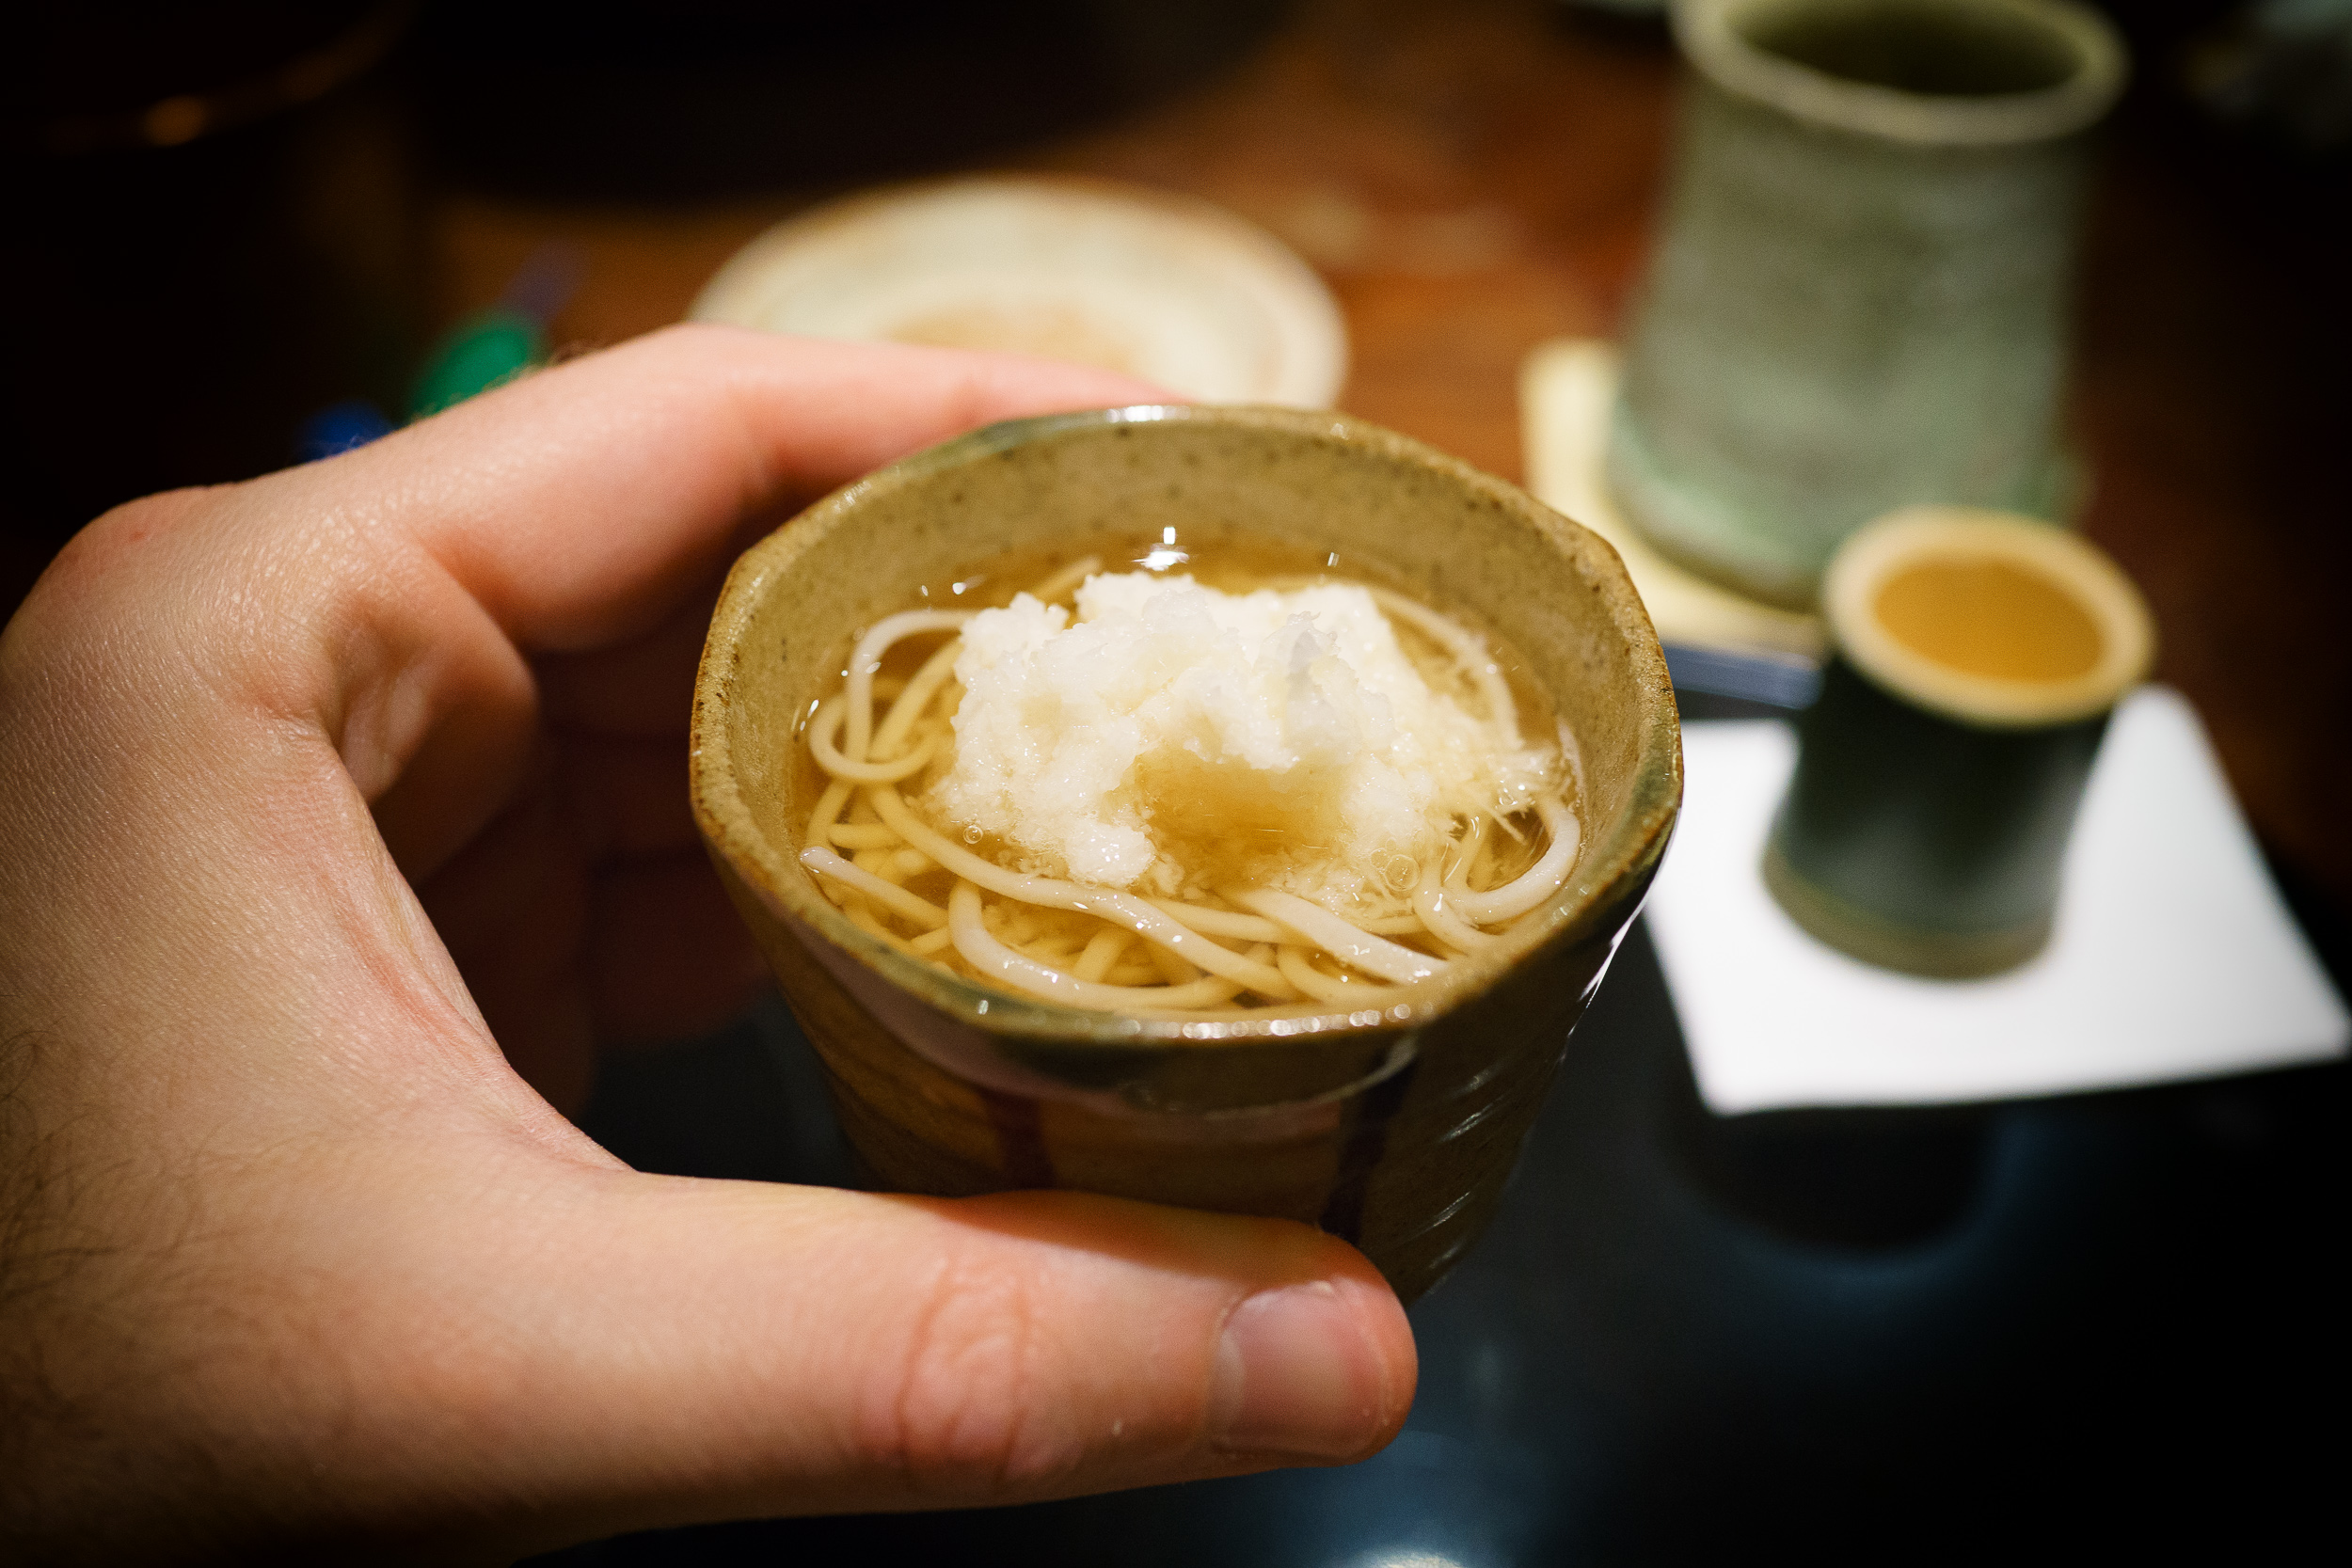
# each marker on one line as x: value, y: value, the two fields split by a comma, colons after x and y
x: 633, y: 1350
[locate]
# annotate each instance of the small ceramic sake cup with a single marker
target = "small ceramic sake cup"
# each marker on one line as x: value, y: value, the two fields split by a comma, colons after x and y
x: 1979, y: 654
x: 1394, y: 1127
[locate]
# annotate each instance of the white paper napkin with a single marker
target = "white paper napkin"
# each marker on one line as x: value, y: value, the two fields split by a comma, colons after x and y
x: 2173, y: 956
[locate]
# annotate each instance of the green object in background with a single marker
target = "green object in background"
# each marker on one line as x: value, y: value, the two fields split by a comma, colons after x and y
x: 1859, y: 295
x: 1979, y: 654
x: 1917, y: 842
x: 476, y: 354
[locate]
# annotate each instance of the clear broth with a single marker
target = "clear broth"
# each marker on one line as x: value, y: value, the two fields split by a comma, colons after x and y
x: 1989, y: 618
x: 1232, y: 565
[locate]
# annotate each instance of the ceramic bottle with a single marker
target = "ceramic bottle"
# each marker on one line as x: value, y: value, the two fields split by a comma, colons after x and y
x: 1859, y: 295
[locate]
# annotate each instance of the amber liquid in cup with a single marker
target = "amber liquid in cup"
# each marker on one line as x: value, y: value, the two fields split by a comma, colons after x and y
x: 1991, y: 618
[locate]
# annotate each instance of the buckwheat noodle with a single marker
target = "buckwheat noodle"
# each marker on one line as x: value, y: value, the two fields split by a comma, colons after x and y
x: 1099, y: 948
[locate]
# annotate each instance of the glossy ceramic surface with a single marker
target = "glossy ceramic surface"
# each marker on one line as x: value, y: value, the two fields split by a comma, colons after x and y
x: 1919, y: 843
x: 1396, y: 1128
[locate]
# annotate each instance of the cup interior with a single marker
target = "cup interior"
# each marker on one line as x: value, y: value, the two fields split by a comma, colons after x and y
x: 1948, y: 73
x: 1936, y: 48
x: 1992, y: 618
x: 1387, y: 508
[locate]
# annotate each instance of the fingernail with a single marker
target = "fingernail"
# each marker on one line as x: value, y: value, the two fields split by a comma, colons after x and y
x: 1297, y: 1374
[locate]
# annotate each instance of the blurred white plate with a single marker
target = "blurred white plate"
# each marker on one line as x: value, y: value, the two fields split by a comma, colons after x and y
x: 1163, y: 287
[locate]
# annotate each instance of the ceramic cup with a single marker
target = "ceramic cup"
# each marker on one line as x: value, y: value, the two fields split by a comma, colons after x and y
x: 1859, y: 295
x: 1979, y: 654
x: 1394, y: 1127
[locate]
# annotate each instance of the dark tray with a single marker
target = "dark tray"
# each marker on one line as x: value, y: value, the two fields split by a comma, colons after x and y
x: 2029, y: 1328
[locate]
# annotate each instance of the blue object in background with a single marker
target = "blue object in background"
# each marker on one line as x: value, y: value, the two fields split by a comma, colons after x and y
x: 494, y: 346
x: 484, y: 350
x: 339, y: 427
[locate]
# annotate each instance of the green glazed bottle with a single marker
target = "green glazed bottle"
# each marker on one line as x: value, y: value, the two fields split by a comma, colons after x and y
x: 1860, y: 291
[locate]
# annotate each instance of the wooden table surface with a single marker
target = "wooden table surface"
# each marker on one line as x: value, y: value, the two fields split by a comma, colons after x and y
x: 1476, y: 176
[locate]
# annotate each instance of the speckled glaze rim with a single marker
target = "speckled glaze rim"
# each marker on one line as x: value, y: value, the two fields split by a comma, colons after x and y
x: 1613, y: 867
x: 1710, y: 32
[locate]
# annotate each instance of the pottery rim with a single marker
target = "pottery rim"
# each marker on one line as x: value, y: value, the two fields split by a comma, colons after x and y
x: 1712, y: 37
x: 1612, y: 861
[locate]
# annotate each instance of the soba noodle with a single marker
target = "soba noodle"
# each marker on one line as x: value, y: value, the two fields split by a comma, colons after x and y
x: 1212, y: 953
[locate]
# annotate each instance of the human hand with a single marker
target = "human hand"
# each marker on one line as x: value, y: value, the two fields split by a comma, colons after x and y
x: 291, y: 1254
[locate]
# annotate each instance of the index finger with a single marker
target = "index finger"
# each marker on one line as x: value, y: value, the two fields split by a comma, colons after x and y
x: 579, y: 504
x: 574, y: 511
